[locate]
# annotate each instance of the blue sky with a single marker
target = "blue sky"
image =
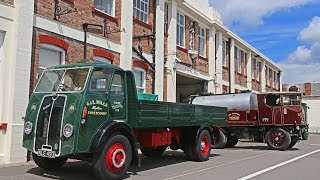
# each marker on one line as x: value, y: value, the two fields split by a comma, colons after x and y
x: 286, y: 31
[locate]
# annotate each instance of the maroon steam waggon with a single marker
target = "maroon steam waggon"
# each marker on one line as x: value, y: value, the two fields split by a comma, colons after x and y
x: 275, y: 118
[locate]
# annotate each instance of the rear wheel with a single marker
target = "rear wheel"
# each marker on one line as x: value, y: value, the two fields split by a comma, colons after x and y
x: 231, y: 142
x: 294, y: 140
x: 114, y: 158
x: 278, y: 138
x: 153, y: 152
x: 219, y: 140
x: 202, y: 148
x: 48, y: 163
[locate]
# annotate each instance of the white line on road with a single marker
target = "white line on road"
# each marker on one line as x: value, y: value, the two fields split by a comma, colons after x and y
x: 314, y: 144
x: 278, y: 165
x: 193, y: 172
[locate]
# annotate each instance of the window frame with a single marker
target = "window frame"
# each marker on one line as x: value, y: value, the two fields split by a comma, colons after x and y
x: 181, y: 27
x: 238, y: 59
x: 166, y: 17
x: 258, y: 70
x: 144, y: 75
x: 112, y: 11
x: 101, y: 59
x: 138, y: 11
x: 224, y: 53
x: 202, y: 37
x: 52, y: 48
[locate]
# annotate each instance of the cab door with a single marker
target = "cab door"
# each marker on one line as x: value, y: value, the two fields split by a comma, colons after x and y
x: 270, y: 109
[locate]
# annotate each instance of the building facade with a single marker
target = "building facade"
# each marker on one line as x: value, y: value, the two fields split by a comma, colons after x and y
x: 173, y: 48
x: 16, y: 19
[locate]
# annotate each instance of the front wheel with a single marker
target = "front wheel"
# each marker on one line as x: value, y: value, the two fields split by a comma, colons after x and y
x: 48, y: 163
x: 278, y: 139
x: 114, y: 158
x: 294, y: 140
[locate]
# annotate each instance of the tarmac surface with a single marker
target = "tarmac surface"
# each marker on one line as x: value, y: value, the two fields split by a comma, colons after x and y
x: 246, y: 161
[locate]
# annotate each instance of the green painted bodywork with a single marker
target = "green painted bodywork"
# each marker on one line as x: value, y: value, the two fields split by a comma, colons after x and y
x: 105, y: 107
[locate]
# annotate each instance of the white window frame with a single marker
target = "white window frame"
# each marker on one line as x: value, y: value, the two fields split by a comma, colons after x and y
x: 141, y: 13
x: 52, y: 48
x: 202, y: 47
x: 224, y: 52
x: 253, y: 67
x: 258, y: 70
x: 144, y: 74
x: 181, y: 26
x: 112, y: 13
x: 267, y: 75
x: 101, y: 59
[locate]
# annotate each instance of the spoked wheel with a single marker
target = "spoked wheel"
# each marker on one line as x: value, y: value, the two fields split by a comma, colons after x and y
x: 202, y: 146
x: 278, y: 139
x: 294, y: 140
x: 114, y: 158
x: 153, y: 152
x: 219, y: 140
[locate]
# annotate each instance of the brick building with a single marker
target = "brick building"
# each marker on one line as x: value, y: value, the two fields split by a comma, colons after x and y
x: 194, y: 52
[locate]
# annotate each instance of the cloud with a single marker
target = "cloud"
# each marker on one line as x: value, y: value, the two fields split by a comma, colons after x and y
x: 312, y: 32
x: 250, y: 13
x: 303, y: 65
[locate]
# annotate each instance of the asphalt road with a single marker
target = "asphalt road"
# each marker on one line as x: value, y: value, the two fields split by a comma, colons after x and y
x: 246, y: 161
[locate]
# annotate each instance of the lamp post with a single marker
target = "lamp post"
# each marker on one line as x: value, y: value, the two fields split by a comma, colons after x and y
x: 94, y: 28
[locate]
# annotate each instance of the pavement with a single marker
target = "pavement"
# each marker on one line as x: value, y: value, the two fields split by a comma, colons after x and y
x: 246, y: 161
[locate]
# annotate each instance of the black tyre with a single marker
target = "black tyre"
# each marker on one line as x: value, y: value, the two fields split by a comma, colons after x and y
x: 188, y: 151
x: 114, y: 158
x: 219, y: 140
x: 305, y: 134
x: 202, y: 148
x: 49, y: 163
x: 232, y: 141
x: 294, y: 140
x: 278, y: 139
x: 153, y: 152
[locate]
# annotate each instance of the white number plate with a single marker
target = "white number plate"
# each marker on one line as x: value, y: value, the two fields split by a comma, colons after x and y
x: 46, y: 153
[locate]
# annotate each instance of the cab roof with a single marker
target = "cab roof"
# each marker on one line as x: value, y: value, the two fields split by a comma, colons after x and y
x: 84, y: 63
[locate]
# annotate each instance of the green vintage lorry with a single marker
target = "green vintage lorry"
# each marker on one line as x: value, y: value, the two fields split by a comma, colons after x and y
x: 91, y: 112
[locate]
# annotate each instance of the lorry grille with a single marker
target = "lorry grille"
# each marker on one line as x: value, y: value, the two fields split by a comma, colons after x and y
x: 49, y: 123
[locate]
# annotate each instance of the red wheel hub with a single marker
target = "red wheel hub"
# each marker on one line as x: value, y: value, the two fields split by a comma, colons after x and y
x: 277, y: 138
x: 115, y: 157
x: 205, y: 146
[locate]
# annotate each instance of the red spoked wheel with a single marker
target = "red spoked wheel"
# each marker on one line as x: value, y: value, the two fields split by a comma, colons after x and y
x: 115, y: 157
x: 278, y: 138
x: 205, y: 145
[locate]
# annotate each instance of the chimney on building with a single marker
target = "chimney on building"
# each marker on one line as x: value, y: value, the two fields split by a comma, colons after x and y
x: 307, y: 89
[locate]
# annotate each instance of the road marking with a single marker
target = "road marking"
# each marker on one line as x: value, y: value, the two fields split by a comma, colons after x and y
x: 314, y: 144
x: 278, y: 165
x: 193, y: 172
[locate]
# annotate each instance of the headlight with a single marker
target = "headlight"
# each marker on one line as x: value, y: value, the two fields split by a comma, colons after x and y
x: 67, y: 130
x: 27, y: 127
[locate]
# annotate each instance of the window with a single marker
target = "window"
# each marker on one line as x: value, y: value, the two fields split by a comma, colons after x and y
x: 117, y: 100
x: 180, y: 29
x: 244, y: 60
x: 101, y: 59
x: 141, y: 10
x: 258, y: 64
x: 225, y: 89
x: 106, y: 6
x: 100, y: 80
x: 2, y: 56
x: 267, y: 75
x: 224, y: 53
x: 238, y: 59
x: 50, y: 55
x: 253, y: 68
x: 274, y: 79
x: 270, y: 77
x: 140, y: 78
x: 116, y: 87
x: 166, y: 17
x: 202, y: 41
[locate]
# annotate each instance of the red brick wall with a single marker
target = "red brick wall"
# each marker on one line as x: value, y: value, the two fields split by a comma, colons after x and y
x: 225, y: 74
x: 256, y: 85
x: 84, y: 14
x: 8, y: 1
x: 165, y: 94
x: 73, y: 54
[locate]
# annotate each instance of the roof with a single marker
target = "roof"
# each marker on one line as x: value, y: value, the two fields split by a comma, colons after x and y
x: 83, y: 63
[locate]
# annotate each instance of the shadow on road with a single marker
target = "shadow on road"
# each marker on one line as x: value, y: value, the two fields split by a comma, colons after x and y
x: 81, y: 170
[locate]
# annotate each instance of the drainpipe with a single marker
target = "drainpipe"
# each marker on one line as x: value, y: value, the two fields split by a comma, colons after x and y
x: 153, y: 39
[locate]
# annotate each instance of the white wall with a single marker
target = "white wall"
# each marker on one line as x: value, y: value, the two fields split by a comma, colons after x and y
x: 313, y: 114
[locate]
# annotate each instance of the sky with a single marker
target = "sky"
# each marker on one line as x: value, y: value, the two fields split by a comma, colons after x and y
x: 286, y: 31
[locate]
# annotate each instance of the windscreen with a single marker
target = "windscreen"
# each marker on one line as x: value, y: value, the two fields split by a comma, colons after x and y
x: 291, y: 99
x: 61, y: 80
